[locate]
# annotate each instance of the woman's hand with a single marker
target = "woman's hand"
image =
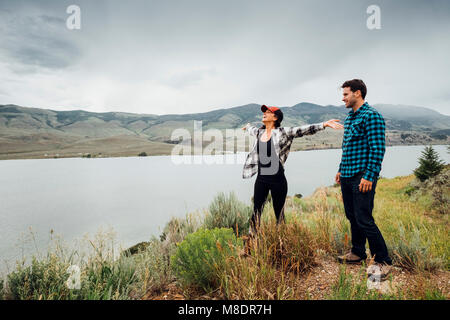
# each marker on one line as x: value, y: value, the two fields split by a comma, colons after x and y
x: 333, y: 124
x: 245, y: 127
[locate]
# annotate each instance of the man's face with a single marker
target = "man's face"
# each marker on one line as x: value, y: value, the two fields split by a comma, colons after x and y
x: 349, y: 97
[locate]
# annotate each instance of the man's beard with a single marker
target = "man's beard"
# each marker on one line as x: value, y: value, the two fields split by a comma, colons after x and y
x: 350, y: 105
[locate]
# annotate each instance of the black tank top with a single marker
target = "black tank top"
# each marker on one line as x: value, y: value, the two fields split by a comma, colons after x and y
x: 269, y: 165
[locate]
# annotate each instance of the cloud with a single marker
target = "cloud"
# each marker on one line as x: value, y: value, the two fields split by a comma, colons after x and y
x: 164, y: 57
x: 181, y: 79
x: 33, y: 39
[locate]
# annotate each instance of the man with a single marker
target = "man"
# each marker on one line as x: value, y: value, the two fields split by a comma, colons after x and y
x: 363, y: 149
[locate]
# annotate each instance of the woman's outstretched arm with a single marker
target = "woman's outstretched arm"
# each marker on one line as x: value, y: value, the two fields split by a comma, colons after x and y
x: 312, y: 128
x: 295, y: 132
x: 250, y: 129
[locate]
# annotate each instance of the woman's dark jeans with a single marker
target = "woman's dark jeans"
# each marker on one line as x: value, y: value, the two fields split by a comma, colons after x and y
x: 278, y: 188
x: 358, y: 209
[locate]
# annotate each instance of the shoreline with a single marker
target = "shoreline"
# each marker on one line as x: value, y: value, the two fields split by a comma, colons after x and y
x: 101, y: 156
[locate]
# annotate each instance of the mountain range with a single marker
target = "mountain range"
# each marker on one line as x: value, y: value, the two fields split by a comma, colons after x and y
x: 39, y: 133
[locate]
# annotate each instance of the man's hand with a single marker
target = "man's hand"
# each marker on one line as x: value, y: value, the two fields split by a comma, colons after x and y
x: 338, y: 178
x: 365, y: 185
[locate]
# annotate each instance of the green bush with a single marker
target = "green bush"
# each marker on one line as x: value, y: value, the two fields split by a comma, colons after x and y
x: 411, y: 254
x: 228, y: 212
x: 46, y: 279
x: 201, y: 254
x: 435, y: 189
x: 101, y: 274
x: 41, y: 280
x: 440, y: 191
x: 108, y: 280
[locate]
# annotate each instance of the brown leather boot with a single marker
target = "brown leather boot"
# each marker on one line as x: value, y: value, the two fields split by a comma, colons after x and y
x: 350, y: 258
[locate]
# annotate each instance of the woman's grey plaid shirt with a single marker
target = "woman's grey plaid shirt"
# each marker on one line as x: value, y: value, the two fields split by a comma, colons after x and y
x: 363, y: 146
x: 282, y: 139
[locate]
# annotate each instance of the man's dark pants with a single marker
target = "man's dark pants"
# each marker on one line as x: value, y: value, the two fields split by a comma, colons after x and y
x: 358, y: 209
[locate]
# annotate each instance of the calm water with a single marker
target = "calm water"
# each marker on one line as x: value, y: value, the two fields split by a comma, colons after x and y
x: 136, y: 196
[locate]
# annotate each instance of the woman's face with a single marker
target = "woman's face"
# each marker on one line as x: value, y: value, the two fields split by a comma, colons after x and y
x: 269, y: 116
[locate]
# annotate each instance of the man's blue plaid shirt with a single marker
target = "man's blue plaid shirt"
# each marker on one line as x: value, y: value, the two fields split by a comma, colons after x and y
x: 363, y: 146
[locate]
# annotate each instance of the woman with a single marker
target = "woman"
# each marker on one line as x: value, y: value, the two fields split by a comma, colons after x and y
x: 268, y: 156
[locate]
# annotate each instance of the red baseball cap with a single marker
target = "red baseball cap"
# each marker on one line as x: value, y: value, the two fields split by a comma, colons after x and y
x: 264, y: 108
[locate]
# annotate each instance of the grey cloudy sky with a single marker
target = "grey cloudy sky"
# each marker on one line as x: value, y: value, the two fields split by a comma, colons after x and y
x: 192, y: 56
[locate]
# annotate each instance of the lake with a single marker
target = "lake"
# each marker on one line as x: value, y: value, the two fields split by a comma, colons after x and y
x: 136, y: 196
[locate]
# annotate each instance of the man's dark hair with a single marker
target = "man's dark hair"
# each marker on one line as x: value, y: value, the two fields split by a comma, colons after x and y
x: 355, y: 85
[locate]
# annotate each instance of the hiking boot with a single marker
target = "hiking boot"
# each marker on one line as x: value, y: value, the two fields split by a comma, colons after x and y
x: 350, y: 258
x: 378, y: 271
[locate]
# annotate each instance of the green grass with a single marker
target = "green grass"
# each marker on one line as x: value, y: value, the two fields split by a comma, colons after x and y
x: 355, y: 287
x: 416, y: 236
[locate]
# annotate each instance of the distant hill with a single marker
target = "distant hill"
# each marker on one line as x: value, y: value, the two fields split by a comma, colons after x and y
x: 33, y: 132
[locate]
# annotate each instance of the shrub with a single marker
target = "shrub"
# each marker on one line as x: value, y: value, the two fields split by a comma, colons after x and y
x: 255, y: 277
x: 201, y: 254
x: 289, y: 246
x: 411, y: 254
x: 274, y: 258
x: 435, y: 189
x: 107, y: 280
x: 153, y: 268
x: 41, y: 280
x: 228, y: 212
x: 102, y: 276
x: 142, y: 154
x: 440, y: 191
